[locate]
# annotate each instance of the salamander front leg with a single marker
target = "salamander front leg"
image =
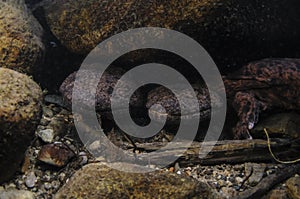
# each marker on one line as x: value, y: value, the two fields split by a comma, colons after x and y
x: 248, y: 109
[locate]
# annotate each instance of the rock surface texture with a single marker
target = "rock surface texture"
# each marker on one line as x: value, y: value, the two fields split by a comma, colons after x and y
x: 20, y: 108
x: 293, y: 187
x: 13, y: 193
x: 100, y: 181
x: 20, y: 37
x: 232, y: 31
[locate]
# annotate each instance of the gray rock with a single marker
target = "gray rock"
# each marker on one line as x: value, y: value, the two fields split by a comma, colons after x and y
x: 30, y: 179
x: 16, y: 194
x: 83, y: 158
x: 58, y: 124
x: 47, y: 112
x: 47, y: 186
x: 20, y: 112
x: 46, y: 135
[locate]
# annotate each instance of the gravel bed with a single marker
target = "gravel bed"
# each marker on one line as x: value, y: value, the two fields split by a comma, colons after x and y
x: 44, y: 180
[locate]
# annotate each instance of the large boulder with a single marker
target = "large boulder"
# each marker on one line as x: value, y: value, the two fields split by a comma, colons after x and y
x: 20, y: 37
x: 100, y: 181
x: 20, y: 112
x: 234, y: 32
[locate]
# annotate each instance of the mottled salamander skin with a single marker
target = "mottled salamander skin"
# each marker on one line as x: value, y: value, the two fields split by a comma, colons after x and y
x: 268, y: 84
x: 164, y: 97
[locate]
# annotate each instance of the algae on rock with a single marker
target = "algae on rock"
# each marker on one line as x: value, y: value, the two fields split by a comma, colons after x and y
x: 234, y: 32
x: 20, y: 112
x: 100, y: 181
x: 20, y: 37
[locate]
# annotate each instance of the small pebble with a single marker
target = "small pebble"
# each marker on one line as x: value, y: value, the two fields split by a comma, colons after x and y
x: 10, y: 186
x: 216, y: 185
x: 57, y: 154
x: 47, y: 112
x: 36, y: 152
x: 47, y: 186
x: 269, y: 172
x: 176, y: 167
x: 55, y: 184
x: 231, y: 179
x: 239, y: 180
x: 30, y: 179
x: 44, y: 122
x: 229, y: 184
x: 83, y: 158
x: 47, y: 177
x: 61, y: 177
x: 151, y: 166
x: 237, y: 188
x: 46, y: 135
x: 189, y: 173
x: 171, y: 169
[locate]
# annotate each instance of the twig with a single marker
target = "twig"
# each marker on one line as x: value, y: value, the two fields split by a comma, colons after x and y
x: 269, y: 182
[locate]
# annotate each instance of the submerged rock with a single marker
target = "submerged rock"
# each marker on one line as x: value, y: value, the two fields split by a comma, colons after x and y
x: 20, y: 44
x: 277, y: 193
x: 56, y: 154
x: 20, y: 112
x: 232, y: 31
x: 293, y: 187
x: 14, y: 193
x: 279, y: 125
x: 101, y: 181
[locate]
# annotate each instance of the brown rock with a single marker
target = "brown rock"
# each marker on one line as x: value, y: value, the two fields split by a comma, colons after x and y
x: 231, y: 30
x: 20, y: 111
x: 293, y: 187
x: 100, y: 181
x: 277, y: 194
x: 57, y: 154
x: 20, y: 44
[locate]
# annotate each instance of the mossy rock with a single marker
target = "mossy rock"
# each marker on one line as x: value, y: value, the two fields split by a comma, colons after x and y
x: 20, y: 37
x: 234, y: 32
x: 20, y: 112
x: 98, y: 180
